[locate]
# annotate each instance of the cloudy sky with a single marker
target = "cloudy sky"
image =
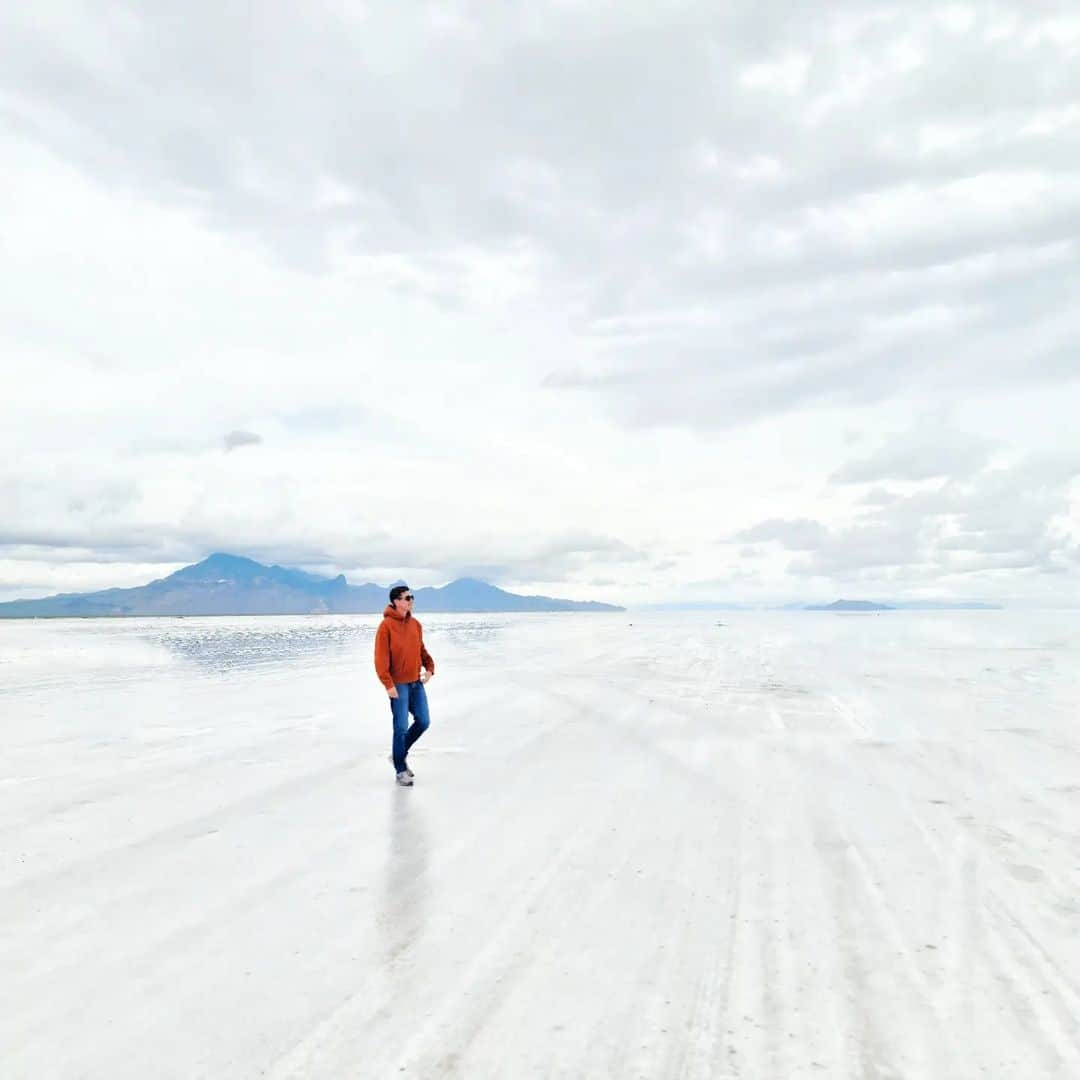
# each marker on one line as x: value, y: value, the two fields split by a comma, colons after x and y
x: 634, y: 301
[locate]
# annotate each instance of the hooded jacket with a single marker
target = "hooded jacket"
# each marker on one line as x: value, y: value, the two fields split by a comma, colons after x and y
x: 399, y: 649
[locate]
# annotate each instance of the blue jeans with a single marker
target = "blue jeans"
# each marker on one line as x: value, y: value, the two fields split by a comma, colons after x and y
x: 411, y: 698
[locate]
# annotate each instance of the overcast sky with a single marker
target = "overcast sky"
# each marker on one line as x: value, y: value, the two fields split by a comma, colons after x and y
x: 631, y: 301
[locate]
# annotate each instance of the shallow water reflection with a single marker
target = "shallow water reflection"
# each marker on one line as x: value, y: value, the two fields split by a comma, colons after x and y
x: 228, y: 646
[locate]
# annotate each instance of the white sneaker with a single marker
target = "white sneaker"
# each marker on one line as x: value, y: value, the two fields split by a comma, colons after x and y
x: 407, y: 769
x: 404, y: 779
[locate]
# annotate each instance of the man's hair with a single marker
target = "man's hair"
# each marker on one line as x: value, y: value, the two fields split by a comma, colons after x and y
x: 398, y: 590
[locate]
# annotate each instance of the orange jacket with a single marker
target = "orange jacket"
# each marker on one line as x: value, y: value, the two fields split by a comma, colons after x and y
x: 399, y: 649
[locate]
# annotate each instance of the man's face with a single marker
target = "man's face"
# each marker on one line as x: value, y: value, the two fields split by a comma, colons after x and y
x: 404, y: 602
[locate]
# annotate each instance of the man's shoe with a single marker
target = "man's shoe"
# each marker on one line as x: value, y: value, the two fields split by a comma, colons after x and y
x: 404, y: 779
x: 407, y: 769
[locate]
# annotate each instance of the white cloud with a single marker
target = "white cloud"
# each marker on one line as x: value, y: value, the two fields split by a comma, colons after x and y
x: 488, y: 287
x: 931, y: 449
x: 986, y: 520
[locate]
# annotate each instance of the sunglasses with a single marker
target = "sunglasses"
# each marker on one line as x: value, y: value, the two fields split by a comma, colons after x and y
x: 407, y: 596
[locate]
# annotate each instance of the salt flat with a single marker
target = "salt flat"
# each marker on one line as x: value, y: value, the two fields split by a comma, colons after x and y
x: 790, y: 845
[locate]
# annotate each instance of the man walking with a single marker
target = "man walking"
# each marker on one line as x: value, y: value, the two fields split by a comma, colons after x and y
x: 403, y: 666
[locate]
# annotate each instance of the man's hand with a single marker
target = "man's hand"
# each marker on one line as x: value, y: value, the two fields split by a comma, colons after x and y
x: 392, y: 693
x: 427, y: 676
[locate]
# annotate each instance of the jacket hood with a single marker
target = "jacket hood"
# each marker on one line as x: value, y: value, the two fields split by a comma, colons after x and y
x: 392, y: 613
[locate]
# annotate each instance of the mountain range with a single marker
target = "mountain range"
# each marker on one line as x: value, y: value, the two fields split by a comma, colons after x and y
x: 233, y: 585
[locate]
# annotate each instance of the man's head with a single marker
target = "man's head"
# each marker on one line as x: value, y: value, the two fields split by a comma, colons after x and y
x: 401, y: 598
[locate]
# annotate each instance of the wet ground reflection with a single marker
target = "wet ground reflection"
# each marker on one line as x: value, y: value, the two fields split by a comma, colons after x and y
x: 229, y: 646
x: 405, y: 899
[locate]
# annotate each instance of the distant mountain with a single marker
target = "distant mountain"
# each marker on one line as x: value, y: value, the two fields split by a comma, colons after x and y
x: 848, y: 605
x: 233, y: 585
x: 470, y: 594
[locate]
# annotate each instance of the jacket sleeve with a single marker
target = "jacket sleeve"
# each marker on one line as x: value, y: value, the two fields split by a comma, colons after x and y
x: 382, y: 655
x: 425, y: 656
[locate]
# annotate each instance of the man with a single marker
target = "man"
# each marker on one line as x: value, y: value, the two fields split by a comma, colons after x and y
x: 403, y: 666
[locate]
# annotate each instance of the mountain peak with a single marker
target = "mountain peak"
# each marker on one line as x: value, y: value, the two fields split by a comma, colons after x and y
x: 471, y: 583
x: 223, y: 558
x: 219, y: 565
